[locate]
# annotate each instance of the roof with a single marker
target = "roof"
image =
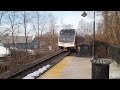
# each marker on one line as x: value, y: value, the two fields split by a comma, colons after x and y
x: 42, y: 39
x: 17, y: 39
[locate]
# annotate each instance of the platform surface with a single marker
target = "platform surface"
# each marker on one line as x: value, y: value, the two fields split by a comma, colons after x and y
x: 70, y: 67
x: 73, y: 67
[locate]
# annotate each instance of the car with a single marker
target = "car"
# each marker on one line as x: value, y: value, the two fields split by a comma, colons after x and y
x: 4, y: 51
x: 31, y: 52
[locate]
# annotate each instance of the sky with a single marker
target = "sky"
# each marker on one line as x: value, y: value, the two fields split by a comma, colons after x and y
x: 67, y: 17
x: 73, y: 17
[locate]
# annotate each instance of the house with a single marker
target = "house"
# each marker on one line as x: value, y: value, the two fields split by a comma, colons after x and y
x: 19, y: 41
x: 3, y: 50
x: 37, y: 43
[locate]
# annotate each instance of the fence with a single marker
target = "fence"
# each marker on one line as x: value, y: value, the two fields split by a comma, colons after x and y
x: 100, y: 50
x: 114, y: 53
x: 85, y: 50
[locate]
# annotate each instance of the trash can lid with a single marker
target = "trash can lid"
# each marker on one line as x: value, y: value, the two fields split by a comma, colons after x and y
x: 101, y: 61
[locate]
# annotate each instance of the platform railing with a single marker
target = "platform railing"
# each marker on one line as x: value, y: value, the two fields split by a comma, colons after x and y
x: 114, y: 53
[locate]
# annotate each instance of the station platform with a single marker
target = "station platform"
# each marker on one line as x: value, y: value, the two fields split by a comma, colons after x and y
x: 70, y: 67
x: 114, y: 71
x: 73, y: 67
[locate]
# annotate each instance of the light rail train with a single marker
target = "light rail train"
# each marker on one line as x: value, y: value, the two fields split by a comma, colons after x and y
x: 69, y: 40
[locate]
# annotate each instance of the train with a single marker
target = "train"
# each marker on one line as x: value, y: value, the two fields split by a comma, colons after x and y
x: 69, y: 40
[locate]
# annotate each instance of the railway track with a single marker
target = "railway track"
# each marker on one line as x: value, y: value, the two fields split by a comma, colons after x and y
x: 20, y: 72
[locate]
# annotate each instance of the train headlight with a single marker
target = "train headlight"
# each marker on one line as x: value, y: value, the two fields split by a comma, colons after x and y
x: 60, y: 43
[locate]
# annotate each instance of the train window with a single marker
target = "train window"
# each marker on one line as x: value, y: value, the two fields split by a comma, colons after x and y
x: 66, y: 38
x: 67, y: 32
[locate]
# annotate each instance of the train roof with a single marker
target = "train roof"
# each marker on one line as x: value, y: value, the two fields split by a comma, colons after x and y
x: 67, y: 29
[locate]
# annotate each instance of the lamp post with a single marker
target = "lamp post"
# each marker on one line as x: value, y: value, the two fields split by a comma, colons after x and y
x: 84, y: 14
x: 100, y: 67
x: 94, y: 56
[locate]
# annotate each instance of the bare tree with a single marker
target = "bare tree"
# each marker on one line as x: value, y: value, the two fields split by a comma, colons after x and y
x: 110, y: 27
x: 39, y: 23
x: 52, y: 24
x: 85, y: 28
x: 62, y: 23
x: 2, y: 13
x: 11, y: 18
x: 25, y: 21
x: 52, y: 32
x: 68, y: 26
x: 38, y: 27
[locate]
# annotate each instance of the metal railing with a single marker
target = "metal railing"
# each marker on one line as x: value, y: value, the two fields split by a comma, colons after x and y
x: 114, y: 53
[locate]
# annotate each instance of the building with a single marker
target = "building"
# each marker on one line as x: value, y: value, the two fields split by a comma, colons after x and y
x: 20, y: 42
x: 36, y: 44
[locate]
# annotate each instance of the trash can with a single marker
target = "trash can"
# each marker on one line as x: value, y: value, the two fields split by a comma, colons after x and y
x: 100, y: 68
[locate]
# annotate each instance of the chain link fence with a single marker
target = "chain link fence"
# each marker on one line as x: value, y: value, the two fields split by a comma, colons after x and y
x: 114, y: 53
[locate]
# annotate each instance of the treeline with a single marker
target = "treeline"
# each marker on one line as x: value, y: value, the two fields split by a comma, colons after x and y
x: 27, y: 23
x: 109, y: 29
x: 41, y: 24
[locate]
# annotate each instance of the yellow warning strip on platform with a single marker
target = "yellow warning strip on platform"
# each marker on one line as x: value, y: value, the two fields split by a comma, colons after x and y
x: 57, y: 70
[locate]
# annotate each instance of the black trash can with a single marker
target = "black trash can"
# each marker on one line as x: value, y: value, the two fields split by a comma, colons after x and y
x: 100, y: 68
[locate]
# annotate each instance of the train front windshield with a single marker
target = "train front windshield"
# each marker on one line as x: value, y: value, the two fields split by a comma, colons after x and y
x: 67, y: 36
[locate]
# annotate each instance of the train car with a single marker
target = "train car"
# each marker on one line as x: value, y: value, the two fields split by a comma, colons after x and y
x: 68, y: 40
x: 79, y: 40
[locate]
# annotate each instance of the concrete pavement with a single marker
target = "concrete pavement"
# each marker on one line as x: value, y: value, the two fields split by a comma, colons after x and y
x: 73, y: 67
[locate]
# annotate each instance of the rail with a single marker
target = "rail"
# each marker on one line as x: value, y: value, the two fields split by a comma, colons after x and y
x: 10, y: 73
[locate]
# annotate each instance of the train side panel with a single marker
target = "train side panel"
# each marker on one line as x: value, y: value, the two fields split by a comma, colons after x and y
x: 78, y: 41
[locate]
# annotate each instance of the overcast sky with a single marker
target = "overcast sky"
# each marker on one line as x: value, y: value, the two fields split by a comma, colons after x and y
x: 73, y: 17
